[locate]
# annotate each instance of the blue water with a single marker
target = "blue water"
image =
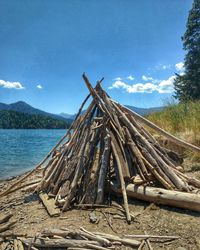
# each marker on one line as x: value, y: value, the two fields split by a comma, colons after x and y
x: 22, y: 149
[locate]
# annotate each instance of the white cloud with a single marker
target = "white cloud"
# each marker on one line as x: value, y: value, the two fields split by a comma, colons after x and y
x: 131, y: 78
x: 180, y: 67
x: 39, y: 86
x: 147, y: 78
x: 117, y: 79
x: 118, y: 84
x: 11, y: 85
x: 165, y: 86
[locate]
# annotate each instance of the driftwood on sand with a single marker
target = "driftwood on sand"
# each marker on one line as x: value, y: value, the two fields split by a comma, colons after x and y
x: 65, y: 238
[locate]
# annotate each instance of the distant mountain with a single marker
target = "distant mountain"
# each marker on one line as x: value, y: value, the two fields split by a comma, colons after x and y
x: 145, y: 111
x: 67, y: 116
x: 10, y: 119
x: 24, y: 107
x: 140, y: 111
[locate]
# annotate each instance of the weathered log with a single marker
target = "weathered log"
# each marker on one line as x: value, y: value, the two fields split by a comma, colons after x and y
x: 122, y: 183
x: 5, y: 218
x: 124, y: 241
x: 98, y: 238
x: 122, y: 157
x: 7, y: 226
x: 105, y: 160
x: 59, y: 243
x: 162, y: 196
x: 135, y: 152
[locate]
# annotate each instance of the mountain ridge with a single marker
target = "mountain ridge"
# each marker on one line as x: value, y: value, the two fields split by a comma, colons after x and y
x: 23, y: 107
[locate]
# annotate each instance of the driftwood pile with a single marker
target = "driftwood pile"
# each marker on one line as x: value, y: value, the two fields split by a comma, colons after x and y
x: 65, y: 238
x: 107, y: 149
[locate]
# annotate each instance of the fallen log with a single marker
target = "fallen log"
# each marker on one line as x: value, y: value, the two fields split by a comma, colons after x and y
x: 124, y: 241
x: 59, y: 243
x: 162, y: 196
x: 7, y: 226
x: 5, y: 218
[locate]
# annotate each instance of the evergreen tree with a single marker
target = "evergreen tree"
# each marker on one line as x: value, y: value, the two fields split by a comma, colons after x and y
x: 187, y: 86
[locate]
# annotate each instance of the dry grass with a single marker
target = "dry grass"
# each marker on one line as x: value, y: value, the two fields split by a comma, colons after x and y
x: 181, y: 120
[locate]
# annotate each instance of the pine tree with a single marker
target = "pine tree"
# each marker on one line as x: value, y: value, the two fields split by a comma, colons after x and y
x: 187, y: 86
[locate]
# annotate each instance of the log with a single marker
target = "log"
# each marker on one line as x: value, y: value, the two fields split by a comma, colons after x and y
x: 162, y: 196
x: 141, y: 245
x: 7, y: 226
x: 146, y: 236
x: 103, y: 169
x: 122, y: 183
x: 59, y: 243
x: 122, y: 159
x: 49, y: 204
x: 102, y: 240
x: 124, y: 241
x: 5, y: 218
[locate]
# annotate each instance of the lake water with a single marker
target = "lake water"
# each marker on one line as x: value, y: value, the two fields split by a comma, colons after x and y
x: 22, y: 149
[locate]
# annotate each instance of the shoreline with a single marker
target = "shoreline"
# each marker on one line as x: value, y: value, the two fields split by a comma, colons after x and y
x: 11, y: 178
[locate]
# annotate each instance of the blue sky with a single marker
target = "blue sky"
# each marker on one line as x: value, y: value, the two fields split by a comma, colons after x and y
x: 46, y: 45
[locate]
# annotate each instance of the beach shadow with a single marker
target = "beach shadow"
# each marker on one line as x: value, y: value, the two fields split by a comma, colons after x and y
x: 30, y: 198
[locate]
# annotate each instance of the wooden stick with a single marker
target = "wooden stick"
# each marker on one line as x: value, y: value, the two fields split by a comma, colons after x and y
x: 149, y: 244
x: 123, y: 188
x: 141, y: 245
x: 146, y: 236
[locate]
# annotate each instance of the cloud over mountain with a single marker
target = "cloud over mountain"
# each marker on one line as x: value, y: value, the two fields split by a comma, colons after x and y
x: 11, y: 85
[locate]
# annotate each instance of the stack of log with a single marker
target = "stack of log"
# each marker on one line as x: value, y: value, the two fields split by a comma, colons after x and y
x: 108, y: 149
x: 75, y: 239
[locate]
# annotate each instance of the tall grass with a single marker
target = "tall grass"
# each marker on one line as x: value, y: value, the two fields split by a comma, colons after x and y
x: 182, y: 120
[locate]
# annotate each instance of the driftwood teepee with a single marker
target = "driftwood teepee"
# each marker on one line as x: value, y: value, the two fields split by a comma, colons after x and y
x: 107, y: 149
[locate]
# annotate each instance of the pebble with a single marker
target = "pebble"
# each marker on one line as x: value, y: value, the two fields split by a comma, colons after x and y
x: 181, y: 248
